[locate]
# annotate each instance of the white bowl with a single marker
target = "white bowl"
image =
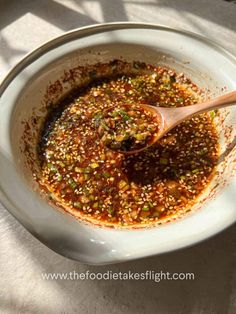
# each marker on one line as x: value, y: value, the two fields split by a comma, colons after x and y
x: 23, y: 93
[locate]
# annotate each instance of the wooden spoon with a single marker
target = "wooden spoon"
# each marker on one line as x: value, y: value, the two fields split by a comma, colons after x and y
x: 168, y: 118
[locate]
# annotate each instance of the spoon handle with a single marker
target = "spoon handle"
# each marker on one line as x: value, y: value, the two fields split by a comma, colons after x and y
x: 216, y: 103
x: 177, y: 115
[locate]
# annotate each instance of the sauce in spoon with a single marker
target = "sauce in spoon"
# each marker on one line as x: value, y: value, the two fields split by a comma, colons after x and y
x: 128, y: 128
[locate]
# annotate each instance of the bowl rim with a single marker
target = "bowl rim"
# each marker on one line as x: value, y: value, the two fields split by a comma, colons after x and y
x: 95, y: 29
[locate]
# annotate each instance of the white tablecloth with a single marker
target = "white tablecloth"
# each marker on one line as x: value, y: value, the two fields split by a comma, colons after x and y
x: 26, y: 24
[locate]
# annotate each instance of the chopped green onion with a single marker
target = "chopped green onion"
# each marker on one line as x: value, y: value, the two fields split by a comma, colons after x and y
x: 95, y: 205
x: 87, y: 170
x: 97, y: 118
x: 98, y: 115
x: 52, y: 167
x: 140, y: 136
x: 94, y: 165
x: 122, y: 184
x: 110, y: 210
x: 77, y: 205
x: 86, y: 176
x: 59, y: 177
x: 91, y: 197
x: 163, y: 161
x: 212, y: 114
x: 72, y: 184
x: 104, y: 126
x: 145, y: 208
x: 106, y: 175
x: 203, y: 151
x: 60, y: 163
x: 124, y: 115
x: 79, y: 170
